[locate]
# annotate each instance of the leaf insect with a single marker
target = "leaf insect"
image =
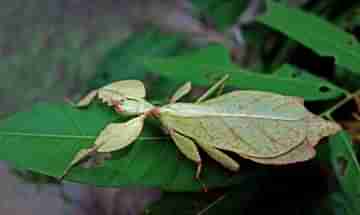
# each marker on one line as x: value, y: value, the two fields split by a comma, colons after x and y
x: 264, y: 127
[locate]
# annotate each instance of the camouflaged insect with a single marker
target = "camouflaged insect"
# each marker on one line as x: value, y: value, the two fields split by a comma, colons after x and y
x: 264, y: 127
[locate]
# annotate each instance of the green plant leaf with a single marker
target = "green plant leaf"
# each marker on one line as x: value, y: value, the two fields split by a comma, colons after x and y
x: 46, y: 139
x: 347, y: 168
x: 206, y: 65
x: 289, y: 71
x: 335, y: 203
x: 315, y: 33
x: 124, y: 61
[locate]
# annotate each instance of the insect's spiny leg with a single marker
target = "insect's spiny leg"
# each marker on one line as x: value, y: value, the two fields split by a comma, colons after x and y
x: 218, y: 85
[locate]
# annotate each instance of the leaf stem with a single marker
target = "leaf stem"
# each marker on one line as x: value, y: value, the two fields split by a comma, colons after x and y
x: 348, y: 98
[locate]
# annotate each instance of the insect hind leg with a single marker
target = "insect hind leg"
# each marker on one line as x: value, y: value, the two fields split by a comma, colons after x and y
x: 219, y: 85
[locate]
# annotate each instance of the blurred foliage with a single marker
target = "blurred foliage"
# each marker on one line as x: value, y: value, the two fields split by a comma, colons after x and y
x: 312, y: 52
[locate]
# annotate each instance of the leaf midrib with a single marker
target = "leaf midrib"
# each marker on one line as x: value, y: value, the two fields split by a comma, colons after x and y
x: 64, y: 136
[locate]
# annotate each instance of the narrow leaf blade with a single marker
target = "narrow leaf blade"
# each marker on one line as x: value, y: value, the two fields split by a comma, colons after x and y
x: 315, y: 33
x: 210, y: 64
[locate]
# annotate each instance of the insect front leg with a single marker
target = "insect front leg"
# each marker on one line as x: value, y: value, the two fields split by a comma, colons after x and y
x: 82, y: 154
x: 219, y: 85
x: 85, y: 101
x: 188, y: 148
x: 113, y: 137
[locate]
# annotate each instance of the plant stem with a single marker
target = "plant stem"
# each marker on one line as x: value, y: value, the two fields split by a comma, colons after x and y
x: 348, y: 98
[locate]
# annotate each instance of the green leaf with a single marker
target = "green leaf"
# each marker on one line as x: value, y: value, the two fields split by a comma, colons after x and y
x: 335, y: 203
x: 46, y: 139
x: 124, y: 61
x: 206, y: 65
x: 223, y: 13
x: 347, y: 168
x: 315, y: 33
x: 227, y: 13
x: 289, y: 71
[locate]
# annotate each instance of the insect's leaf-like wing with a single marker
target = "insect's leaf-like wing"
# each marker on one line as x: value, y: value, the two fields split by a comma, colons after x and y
x: 319, y: 128
x: 266, y: 104
x: 119, y: 135
x: 256, y: 137
x: 302, y: 152
x: 254, y: 123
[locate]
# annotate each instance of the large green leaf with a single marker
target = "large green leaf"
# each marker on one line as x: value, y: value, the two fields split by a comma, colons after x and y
x: 124, y: 61
x: 347, y: 169
x: 46, y: 138
x: 315, y: 33
x: 289, y: 71
x: 204, y: 66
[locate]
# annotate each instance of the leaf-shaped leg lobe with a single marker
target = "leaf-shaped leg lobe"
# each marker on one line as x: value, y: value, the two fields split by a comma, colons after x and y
x: 83, y: 153
x: 114, y: 137
x: 119, y: 135
x: 188, y: 148
x: 220, y: 157
x: 181, y: 92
